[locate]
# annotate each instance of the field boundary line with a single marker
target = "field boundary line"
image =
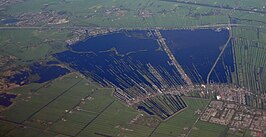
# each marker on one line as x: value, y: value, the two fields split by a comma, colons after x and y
x: 94, y: 118
x: 51, y: 101
x: 154, y: 129
x: 198, y: 119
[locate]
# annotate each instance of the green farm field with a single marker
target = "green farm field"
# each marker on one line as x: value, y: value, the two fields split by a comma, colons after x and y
x: 204, y: 128
x: 70, y: 102
x: 29, y: 45
x: 125, y: 14
x: 183, y: 121
x: 76, y: 106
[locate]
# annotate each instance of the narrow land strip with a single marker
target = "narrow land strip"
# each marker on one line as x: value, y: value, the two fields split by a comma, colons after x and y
x: 221, y: 53
x: 162, y: 42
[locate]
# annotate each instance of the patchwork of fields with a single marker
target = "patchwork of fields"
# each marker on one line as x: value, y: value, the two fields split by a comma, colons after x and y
x: 71, y: 102
x: 137, y: 14
x: 36, y: 32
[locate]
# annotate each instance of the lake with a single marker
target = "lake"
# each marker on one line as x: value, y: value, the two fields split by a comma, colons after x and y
x: 37, y: 73
x: 134, y: 62
x: 197, y: 50
x: 108, y: 60
x: 5, y: 99
x: 9, y: 21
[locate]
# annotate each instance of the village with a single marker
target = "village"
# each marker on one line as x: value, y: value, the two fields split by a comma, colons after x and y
x: 236, y: 117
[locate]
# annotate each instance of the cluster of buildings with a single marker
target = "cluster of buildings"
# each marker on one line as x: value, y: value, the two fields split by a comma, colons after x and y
x: 145, y: 14
x: 230, y: 93
x: 219, y: 113
x: 239, y: 95
x: 144, y: 120
x: 46, y: 17
x: 236, y: 117
x: 120, y: 12
x: 116, y: 11
x: 83, y: 33
x: 6, y: 63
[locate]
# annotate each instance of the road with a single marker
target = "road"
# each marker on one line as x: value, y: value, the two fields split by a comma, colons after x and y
x: 217, y: 6
x: 222, y: 25
x: 162, y: 42
x: 189, y: 131
x: 221, y: 53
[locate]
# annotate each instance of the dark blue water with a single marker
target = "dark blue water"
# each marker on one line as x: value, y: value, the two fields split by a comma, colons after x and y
x: 140, y: 66
x: 145, y: 110
x: 123, y: 71
x: 197, y: 50
x: 123, y: 42
x: 52, y: 62
x: 224, y: 68
x: 9, y: 21
x: 20, y: 78
x: 5, y: 99
x: 45, y: 73
x: 163, y: 106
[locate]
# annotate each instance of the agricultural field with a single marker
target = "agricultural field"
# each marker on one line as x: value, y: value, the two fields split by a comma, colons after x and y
x: 201, y: 129
x: 132, y: 14
x: 54, y: 81
x: 249, y: 51
x: 71, y: 102
x: 182, y: 122
x: 31, y: 45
